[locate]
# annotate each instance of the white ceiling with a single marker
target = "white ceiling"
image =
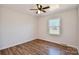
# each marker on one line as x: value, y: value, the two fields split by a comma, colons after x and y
x: 25, y: 8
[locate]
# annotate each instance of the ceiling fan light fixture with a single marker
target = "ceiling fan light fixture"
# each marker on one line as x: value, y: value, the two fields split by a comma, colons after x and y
x: 39, y: 11
x: 40, y: 8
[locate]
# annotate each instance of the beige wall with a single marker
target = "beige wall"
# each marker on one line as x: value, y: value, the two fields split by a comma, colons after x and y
x: 16, y: 27
x: 69, y: 33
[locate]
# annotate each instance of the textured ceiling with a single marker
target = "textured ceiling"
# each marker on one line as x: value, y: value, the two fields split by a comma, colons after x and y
x: 25, y: 8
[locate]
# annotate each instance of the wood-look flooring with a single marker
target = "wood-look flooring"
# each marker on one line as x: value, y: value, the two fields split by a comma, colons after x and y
x: 39, y: 47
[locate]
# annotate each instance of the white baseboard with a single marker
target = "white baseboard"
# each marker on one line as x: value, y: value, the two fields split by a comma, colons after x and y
x: 5, y: 47
x: 61, y: 43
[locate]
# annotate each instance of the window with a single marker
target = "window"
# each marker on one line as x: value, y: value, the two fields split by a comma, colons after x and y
x: 54, y: 26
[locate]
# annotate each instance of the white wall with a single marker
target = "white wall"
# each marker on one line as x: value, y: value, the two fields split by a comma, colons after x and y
x: 69, y: 33
x: 0, y: 28
x: 16, y: 27
x: 78, y: 29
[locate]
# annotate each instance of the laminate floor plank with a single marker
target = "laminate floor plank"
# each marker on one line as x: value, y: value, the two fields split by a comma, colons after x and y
x: 39, y: 47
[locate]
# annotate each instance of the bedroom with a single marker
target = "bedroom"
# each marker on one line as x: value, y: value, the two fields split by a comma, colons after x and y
x: 21, y: 26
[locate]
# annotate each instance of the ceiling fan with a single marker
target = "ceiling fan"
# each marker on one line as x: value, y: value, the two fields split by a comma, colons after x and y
x: 40, y: 8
